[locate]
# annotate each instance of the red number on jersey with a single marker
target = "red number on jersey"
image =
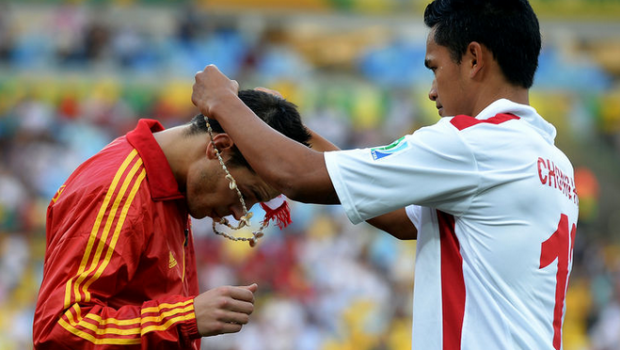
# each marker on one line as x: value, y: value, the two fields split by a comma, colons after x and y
x: 559, y: 246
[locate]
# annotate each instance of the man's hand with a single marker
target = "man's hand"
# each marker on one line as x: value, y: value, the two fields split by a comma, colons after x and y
x: 224, y: 309
x: 211, y: 88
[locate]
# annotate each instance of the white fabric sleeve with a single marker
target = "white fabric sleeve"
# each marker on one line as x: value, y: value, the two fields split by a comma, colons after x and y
x: 432, y: 167
x: 414, y: 213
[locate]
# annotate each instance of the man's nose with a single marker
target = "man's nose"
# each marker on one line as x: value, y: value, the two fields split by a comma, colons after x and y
x: 237, y: 210
x: 432, y: 93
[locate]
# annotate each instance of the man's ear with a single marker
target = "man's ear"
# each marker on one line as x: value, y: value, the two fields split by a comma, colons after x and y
x: 222, y: 141
x: 475, y: 58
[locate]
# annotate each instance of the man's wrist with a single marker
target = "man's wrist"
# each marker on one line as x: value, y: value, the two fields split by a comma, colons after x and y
x: 223, y: 104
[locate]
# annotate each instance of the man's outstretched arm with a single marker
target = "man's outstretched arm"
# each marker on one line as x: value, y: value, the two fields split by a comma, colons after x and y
x: 297, y: 171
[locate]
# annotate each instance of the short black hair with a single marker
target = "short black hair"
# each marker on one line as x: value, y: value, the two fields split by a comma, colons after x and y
x: 277, y: 112
x: 508, y: 28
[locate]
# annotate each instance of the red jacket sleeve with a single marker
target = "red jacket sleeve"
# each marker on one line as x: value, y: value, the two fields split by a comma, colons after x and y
x: 157, y: 324
x: 95, y: 247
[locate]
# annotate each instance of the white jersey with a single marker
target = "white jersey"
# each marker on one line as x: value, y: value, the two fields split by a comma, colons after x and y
x: 495, y: 206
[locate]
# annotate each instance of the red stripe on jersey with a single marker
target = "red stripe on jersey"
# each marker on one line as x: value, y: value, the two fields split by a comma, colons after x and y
x: 462, y: 122
x: 452, y: 283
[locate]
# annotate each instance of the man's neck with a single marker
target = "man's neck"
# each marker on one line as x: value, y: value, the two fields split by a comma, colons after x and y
x: 494, y: 92
x: 180, y: 151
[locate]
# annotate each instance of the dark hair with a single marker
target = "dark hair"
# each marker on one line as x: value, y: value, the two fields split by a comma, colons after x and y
x: 508, y: 28
x: 277, y: 112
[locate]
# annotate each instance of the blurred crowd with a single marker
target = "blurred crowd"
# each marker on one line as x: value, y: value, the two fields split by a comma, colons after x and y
x: 72, y: 78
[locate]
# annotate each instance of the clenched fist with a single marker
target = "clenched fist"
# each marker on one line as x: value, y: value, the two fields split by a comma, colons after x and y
x: 211, y: 88
x: 224, y: 309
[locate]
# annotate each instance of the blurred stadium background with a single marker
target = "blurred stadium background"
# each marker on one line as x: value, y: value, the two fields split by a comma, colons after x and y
x: 76, y: 74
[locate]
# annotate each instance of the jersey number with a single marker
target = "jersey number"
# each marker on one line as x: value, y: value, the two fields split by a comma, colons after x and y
x: 560, y: 246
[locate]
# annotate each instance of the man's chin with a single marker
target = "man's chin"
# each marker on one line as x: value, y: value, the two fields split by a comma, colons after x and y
x: 213, y: 215
x: 201, y: 214
x: 198, y: 214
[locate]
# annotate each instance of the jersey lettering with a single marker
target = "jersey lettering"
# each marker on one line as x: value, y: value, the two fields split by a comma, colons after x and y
x: 552, y: 176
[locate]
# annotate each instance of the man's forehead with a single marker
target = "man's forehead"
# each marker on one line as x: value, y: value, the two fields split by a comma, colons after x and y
x: 430, y: 37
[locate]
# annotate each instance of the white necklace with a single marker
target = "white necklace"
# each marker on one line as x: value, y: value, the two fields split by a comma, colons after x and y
x: 245, y: 219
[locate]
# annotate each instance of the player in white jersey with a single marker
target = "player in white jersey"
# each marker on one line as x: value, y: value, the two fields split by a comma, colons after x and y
x: 489, y: 197
x: 495, y: 205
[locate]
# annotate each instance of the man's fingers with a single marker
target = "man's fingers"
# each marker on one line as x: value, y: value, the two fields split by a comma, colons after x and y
x: 211, y: 72
x: 210, y: 67
x: 252, y: 287
x: 233, y: 305
x: 230, y: 328
x: 243, y: 293
x: 224, y: 309
x: 234, y: 317
x: 210, y: 87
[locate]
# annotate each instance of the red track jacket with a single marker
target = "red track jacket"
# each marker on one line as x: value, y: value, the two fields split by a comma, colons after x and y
x: 119, y: 271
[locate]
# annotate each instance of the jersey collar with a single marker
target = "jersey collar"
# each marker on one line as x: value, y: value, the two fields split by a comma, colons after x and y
x: 525, y: 112
x: 161, y: 181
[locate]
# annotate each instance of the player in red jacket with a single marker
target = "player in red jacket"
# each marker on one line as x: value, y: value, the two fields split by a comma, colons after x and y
x: 120, y: 271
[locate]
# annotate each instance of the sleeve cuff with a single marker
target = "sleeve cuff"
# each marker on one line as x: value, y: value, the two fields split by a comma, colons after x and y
x: 190, y: 328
